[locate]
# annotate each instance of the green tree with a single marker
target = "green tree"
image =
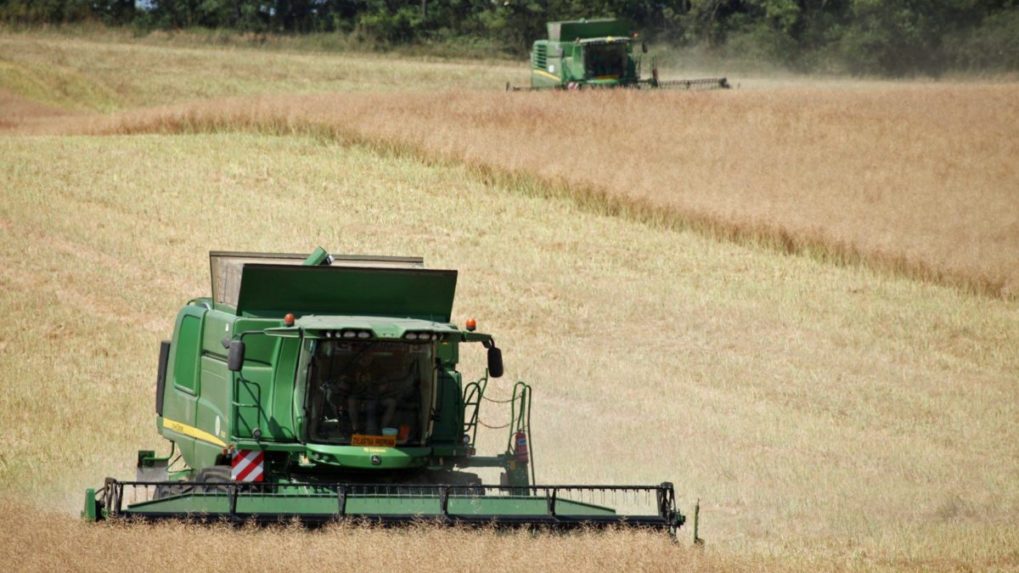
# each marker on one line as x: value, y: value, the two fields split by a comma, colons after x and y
x: 904, y: 36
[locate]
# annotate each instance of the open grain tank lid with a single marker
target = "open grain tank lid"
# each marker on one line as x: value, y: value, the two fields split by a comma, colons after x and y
x: 582, y: 29
x: 271, y: 285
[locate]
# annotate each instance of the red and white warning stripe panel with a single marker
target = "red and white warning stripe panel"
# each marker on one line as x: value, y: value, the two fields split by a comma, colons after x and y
x: 248, y: 465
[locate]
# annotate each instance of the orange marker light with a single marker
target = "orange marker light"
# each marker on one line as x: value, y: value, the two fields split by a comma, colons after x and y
x: 472, y: 324
x: 288, y: 319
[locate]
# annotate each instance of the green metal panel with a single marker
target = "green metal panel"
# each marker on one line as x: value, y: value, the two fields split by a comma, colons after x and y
x: 185, y: 357
x: 539, y: 79
x: 447, y: 428
x: 448, y: 351
x: 546, y: 64
x: 92, y: 511
x: 212, y: 410
x: 367, y: 505
x: 539, y: 55
x: 218, y: 326
x: 251, y: 389
x: 180, y: 397
x: 279, y: 400
x: 260, y: 348
x: 248, y: 404
x: 574, y: 64
x: 361, y: 457
x: 274, y: 290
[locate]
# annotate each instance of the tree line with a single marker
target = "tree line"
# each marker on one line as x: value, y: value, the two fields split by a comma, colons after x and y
x: 890, y: 37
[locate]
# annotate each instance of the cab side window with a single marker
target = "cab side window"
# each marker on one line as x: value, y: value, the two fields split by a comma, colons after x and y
x: 185, y: 360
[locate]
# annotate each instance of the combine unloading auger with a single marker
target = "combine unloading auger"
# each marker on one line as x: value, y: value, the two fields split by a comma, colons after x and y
x: 322, y: 389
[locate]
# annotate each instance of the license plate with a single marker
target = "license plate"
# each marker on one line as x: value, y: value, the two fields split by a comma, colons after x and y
x: 373, y: 441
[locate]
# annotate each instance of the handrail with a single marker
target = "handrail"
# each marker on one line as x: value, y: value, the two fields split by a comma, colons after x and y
x: 473, y: 394
x: 520, y: 421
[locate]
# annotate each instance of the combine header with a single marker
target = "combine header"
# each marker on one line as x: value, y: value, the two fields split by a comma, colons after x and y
x: 582, y: 54
x: 324, y: 388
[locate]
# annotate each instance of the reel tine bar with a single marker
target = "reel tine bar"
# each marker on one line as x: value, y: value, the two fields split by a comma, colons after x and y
x: 558, y: 507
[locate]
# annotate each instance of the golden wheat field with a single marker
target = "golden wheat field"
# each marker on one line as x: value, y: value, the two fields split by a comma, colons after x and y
x: 829, y: 416
x: 811, y: 168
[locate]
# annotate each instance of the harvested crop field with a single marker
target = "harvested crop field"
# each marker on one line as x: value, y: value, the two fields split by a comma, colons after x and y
x: 917, y: 180
x: 828, y: 416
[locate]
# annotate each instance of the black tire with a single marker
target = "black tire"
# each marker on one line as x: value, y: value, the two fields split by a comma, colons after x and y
x: 213, y: 475
x: 165, y: 491
x: 463, y: 483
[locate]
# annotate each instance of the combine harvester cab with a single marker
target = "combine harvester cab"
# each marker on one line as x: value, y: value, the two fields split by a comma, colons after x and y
x: 598, y: 53
x: 322, y: 388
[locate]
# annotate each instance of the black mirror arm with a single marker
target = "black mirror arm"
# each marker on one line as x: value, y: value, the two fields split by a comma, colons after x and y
x: 495, y: 367
x: 235, y: 356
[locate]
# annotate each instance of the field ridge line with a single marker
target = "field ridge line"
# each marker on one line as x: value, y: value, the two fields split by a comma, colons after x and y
x: 589, y: 198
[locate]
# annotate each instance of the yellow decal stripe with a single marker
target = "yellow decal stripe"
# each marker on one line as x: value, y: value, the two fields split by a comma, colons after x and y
x: 191, y: 431
x: 546, y: 74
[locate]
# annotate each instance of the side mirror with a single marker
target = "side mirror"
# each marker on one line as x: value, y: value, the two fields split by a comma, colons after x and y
x: 494, y: 362
x: 643, y: 47
x: 235, y: 360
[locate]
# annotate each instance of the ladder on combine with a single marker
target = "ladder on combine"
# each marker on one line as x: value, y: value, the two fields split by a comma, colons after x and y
x: 474, y: 392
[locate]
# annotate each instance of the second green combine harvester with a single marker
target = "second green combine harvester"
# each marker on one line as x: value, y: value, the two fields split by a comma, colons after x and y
x: 598, y: 53
x: 321, y: 388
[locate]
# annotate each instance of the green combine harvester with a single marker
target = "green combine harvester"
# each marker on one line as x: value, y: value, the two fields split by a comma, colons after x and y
x: 323, y: 388
x: 598, y: 53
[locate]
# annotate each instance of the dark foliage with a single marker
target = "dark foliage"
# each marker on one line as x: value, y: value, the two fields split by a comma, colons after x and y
x: 891, y: 37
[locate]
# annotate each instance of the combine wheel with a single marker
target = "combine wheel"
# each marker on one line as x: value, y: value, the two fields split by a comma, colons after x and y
x: 212, y: 476
x: 463, y: 483
x: 164, y: 491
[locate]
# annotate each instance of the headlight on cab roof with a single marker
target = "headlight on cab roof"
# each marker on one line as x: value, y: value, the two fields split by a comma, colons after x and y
x: 423, y: 336
x: 352, y: 333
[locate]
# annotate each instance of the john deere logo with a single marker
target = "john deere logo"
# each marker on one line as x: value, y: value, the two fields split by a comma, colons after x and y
x: 376, y: 460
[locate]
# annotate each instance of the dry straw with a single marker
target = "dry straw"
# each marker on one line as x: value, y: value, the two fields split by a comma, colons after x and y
x: 828, y: 416
x: 915, y: 180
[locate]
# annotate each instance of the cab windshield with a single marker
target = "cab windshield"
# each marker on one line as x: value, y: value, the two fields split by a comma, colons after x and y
x: 606, y: 61
x: 372, y: 388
